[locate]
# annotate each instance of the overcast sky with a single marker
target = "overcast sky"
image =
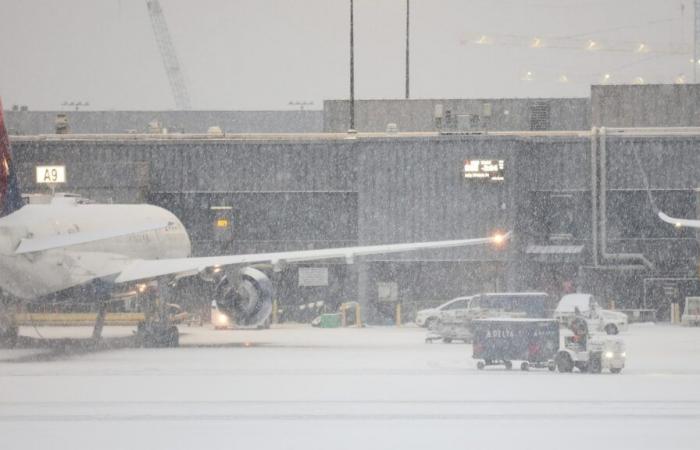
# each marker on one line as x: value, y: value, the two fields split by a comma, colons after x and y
x: 262, y: 54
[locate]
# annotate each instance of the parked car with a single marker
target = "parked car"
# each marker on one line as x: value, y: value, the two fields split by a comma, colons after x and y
x: 599, y: 319
x: 427, y: 317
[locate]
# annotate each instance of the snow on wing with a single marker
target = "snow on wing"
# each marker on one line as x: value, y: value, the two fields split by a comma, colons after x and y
x: 148, y: 269
x: 29, y: 245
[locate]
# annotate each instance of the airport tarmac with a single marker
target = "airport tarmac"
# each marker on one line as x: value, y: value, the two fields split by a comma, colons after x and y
x: 302, y: 387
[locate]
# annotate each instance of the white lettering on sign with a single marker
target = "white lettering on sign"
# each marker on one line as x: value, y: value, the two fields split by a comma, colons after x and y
x: 492, y: 170
x: 50, y: 174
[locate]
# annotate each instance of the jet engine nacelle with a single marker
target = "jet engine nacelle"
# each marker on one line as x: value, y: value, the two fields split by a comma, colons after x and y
x: 245, y: 297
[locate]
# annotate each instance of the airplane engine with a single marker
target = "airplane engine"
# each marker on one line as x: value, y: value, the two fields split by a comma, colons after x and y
x: 245, y: 297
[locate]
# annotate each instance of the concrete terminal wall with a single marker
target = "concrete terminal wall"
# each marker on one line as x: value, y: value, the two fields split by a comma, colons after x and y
x: 289, y: 194
x: 653, y: 105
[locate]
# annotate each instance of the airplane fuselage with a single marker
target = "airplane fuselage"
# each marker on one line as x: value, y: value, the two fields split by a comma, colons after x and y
x: 36, y: 273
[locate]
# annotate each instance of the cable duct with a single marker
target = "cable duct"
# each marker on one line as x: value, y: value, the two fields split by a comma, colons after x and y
x: 599, y: 209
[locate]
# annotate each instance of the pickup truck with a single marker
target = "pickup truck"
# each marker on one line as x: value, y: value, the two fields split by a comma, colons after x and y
x: 598, y: 319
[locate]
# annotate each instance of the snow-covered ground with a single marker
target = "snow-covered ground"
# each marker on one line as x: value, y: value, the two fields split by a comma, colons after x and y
x: 375, y: 388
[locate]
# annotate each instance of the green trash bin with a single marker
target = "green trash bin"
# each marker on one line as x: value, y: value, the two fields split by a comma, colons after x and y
x: 331, y: 320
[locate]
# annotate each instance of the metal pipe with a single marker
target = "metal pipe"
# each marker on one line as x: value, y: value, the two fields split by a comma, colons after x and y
x: 352, y: 67
x: 603, y: 213
x: 408, y: 23
x: 696, y: 32
x: 654, y: 131
x: 594, y: 194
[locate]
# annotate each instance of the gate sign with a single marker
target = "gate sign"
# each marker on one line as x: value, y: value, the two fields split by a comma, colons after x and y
x: 313, y: 276
x: 483, y: 169
x: 50, y: 174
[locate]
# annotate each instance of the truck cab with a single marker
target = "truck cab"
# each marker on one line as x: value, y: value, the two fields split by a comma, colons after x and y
x: 590, y: 352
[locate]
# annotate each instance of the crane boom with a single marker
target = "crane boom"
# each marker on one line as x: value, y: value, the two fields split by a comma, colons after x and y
x: 167, y: 53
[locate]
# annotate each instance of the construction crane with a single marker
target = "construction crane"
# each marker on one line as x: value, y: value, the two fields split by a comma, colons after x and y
x: 167, y: 53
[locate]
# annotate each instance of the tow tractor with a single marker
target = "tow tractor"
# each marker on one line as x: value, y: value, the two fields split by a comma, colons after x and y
x: 590, y: 352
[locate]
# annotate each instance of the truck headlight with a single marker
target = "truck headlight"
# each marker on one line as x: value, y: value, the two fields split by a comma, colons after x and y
x: 623, y: 354
x: 609, y: 355
x: 222, y: 319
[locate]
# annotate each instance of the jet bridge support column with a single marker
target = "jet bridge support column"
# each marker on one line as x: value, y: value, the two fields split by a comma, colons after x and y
x: 100, y: 320
x: 102, y: 293
x: 362, y: 289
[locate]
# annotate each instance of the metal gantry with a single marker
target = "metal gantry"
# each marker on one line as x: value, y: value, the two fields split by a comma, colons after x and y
x: 173, y: 69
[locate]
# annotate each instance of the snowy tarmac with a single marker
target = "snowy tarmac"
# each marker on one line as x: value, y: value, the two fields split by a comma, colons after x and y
x: 376, y: 388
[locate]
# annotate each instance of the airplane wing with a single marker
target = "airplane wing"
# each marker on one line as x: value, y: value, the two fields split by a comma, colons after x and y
x: 29, y: 245
x: 679, y: 222
x: 148, y: 269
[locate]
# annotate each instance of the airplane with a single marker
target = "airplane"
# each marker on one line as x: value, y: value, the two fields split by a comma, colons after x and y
x: 678, y: 223
x: 72, y: 242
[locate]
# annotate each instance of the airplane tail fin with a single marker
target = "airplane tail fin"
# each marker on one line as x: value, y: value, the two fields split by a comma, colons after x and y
x: 10, y: 195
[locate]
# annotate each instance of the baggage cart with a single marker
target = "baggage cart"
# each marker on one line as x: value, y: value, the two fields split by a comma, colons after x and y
x: 500, y: 341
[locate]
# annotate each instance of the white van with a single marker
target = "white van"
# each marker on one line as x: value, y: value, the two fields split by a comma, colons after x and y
x: 510, y: 304
x: 454, y: 321
x: 599, y: 319
x: 498, y: 304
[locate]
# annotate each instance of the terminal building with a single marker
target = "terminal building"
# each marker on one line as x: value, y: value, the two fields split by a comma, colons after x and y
x: 567, y: 176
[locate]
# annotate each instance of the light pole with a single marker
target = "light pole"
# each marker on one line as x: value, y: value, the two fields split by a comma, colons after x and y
x: 696, y: 40
x: 352, y: 69
x: 408, y: 23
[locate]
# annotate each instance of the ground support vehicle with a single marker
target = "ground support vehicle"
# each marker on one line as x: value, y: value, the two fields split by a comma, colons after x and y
x: 429, y: 317
x: 448, y: 331
x: 500, y: 341
x: 599, y: 319
x: 590, y: 352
